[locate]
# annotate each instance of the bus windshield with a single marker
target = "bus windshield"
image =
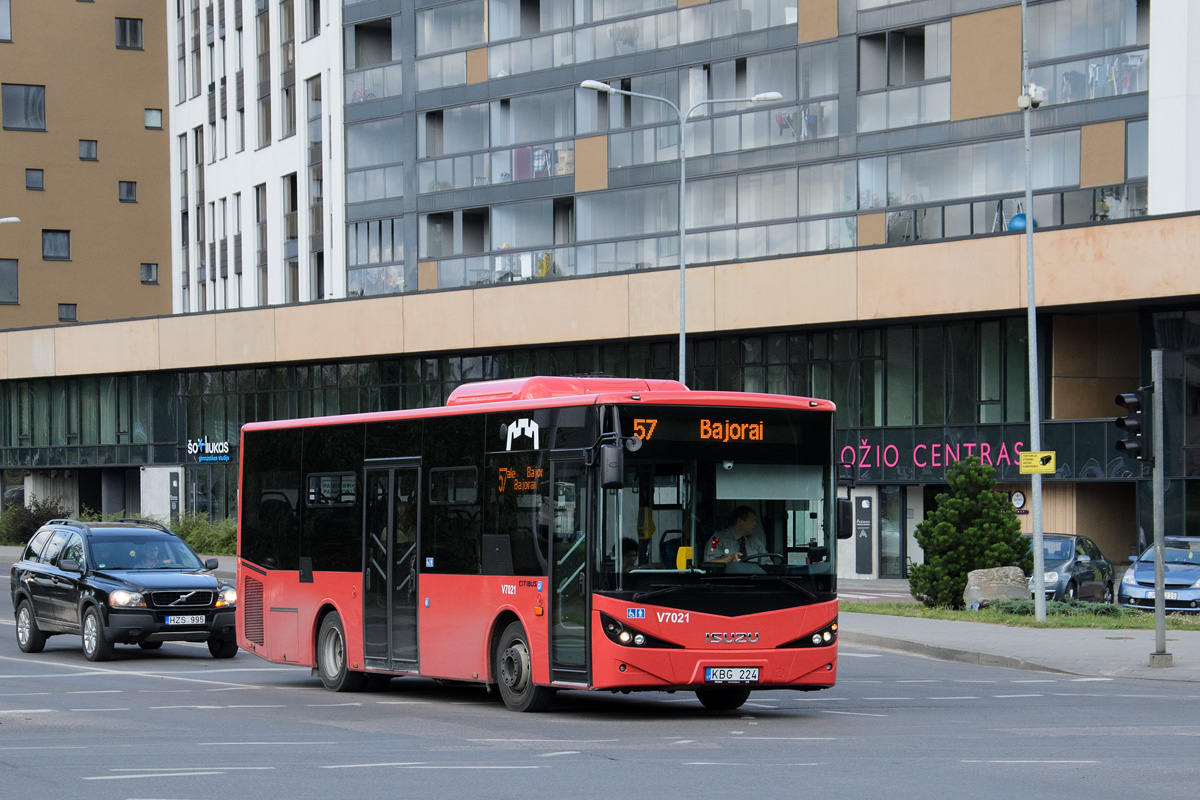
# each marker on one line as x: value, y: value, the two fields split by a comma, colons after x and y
x: 748, y: 503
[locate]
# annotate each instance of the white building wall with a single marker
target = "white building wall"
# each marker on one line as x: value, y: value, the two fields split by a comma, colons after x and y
x: 239, y: 172
x: 1174, y: 158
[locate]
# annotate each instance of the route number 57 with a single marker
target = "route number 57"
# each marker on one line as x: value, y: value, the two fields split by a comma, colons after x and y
x: 644, y: 428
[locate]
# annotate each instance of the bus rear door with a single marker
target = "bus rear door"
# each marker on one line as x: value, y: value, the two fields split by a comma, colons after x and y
x: 391, y: 514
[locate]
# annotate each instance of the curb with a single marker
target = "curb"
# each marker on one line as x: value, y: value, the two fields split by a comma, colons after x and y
x: 946, y: 653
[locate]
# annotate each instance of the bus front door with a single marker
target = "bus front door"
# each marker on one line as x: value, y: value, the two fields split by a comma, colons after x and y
x: 568, y: 571
x: 390, y: 568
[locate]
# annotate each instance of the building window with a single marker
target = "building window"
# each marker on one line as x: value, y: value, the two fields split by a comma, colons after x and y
x: 8, y: 280
x: 5, y: 22
x: 23, y: 107
x: 56, y: 245
x: 127, y: 191
x: 129, y: 34
x: 88, y: 150
x: 67, y: 312
x: 154, y: 119
x: 150, y: 273
x: 34, y: 179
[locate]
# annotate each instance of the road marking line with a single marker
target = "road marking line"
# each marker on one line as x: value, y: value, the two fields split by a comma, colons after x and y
x: 262, y: 706
x: 1085, y: 680
x: 99, y: 709
x: 149, y: 775
x: 851, y: 713
x: 24, y: 694
x: 167, y: 708
x: 755, y: 766
x: 887, y: 698
x: 1027, y: 761
x: 468, y: 766
x: 49, y: 747
x: 1018, y: 695
x: 98, y: 691
x: 331, y: 705
x: 364, y: 766
x: 844, y: 654
x: 920, y: 680
x: 548, y: 741
x: 957, y: 697
x: 273, y: 744
x: 559, y: 753
x: 27, y: 711
x: 794, y: 738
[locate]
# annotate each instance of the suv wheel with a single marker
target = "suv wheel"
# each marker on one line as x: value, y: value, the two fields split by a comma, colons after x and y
x: 95, y: 646
x: 29, y: 636
x: 223, y: 648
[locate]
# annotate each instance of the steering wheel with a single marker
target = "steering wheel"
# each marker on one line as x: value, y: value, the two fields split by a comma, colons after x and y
x: 777, y: 558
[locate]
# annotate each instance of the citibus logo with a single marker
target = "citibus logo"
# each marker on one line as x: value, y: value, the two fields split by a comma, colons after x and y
x: 522, y: 427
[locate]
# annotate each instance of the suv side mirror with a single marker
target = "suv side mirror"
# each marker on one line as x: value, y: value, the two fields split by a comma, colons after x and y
x: 70, y: 565
x: 211, y: 564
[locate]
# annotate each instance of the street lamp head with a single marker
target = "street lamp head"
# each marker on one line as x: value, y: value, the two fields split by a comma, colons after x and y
x: 9, y: 219
x: 597, y: 86
x: 767, y: 97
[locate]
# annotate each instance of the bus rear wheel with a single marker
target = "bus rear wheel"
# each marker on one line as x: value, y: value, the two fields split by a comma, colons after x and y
x: 331, y: 658
x: 722, y: 699
x: 514, y: 672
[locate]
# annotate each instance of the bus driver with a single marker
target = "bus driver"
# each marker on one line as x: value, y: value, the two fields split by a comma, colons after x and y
x: 738, y: 541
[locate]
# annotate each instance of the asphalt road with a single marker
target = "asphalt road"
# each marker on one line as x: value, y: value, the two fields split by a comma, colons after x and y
x: 176, y: 723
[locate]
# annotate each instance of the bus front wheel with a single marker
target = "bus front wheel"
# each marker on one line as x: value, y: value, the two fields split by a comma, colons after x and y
x: 331, y: 658
x: 514, y: 672
x: 722, y: 699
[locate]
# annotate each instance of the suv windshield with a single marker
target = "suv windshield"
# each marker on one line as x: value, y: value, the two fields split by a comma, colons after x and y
x: 143, y: 551
x: 697, y: 512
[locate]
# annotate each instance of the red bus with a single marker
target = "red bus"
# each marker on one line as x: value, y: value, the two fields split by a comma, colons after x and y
x: 547, y: 533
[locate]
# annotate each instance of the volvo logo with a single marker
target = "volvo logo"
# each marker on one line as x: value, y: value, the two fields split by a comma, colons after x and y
x: 181, y: 599
x: 730, y: 638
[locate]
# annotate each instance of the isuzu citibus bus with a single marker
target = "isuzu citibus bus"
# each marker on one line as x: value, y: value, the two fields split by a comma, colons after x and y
x: 547, y: 533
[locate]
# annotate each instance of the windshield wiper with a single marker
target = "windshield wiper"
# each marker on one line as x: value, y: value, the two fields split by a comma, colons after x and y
x: 668, y: 589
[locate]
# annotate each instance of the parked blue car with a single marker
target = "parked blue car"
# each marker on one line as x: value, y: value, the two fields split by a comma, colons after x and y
x: 1075, y: 569
x: 1181, y: 569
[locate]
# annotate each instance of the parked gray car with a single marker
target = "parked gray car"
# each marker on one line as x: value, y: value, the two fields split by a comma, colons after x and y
x: 1075, y: 569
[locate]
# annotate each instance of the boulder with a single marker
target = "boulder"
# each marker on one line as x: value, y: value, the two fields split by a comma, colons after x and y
x: 985, y: 586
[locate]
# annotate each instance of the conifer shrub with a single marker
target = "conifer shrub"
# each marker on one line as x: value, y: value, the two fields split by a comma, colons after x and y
x: 973, y: 526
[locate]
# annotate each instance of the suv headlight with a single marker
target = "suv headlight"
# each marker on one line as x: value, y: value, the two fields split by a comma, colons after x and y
x: 123, y: 599
x: 227, y: 597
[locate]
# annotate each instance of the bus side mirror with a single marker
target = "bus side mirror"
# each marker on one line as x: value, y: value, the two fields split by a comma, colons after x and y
x: 612, y: 466
x: 845, y: 518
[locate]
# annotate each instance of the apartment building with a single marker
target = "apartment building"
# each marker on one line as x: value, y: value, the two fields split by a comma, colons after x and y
x: 373, y: 202
x: 83, y: 153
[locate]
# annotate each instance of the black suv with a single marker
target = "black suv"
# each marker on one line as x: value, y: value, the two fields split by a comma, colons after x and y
x: 127, y: 582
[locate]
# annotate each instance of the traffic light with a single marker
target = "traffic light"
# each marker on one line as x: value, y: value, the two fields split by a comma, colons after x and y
x: 1139, y: 441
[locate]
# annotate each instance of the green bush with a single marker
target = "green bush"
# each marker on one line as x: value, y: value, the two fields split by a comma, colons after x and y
x: 19, y: 522
x: 972, y: 527
x: 206, y: 537
x: 1065, y: 608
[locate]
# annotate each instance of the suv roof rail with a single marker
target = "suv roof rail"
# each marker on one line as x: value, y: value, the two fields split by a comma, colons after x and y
x: 74, y: 523
x: 150, y: 522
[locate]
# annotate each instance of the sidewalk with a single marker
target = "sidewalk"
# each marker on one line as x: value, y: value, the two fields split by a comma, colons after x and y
x: 1090, y: 652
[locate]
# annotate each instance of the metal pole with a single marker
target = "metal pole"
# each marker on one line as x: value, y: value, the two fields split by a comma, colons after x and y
x: 682, y: 243
x: 1035, y: 401
x: 1160, y: 657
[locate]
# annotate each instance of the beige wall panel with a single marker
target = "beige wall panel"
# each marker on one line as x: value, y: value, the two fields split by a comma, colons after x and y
x: 441, y: 321
x: 591, y: 163
x: 1102, y: 154
x: 477, y: 65
x: 247, y: 337
x: 1087, y: 398
x: 1095, y: 264
x: 1058, y: 507
x: 872, y: 229
x: 654, y: 301
x: 787, y: 291
x: 941, y: 278
x: 130, y: 346
x: 187, y: 341
x: 1074, y: 345
x: 1107, y: 514
x: 985, y: 63
x: 93, y: 91
x: 551, y: 312
x: 427, y: 275
x: 31, y: 353
x: 4, y: 356
x: 818, y: 20
x: 1117, y: 338
x: 686, y: 3
x: 352, y: 328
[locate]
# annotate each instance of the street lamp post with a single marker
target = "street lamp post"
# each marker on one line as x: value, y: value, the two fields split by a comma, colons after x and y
x: 762, y: 97
x: 1031, y: 97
